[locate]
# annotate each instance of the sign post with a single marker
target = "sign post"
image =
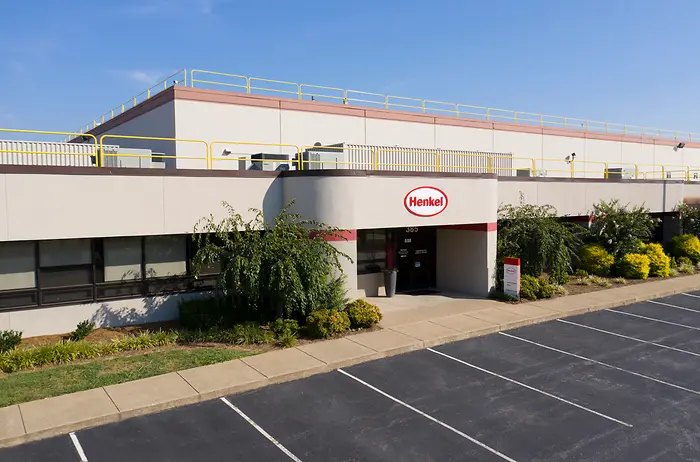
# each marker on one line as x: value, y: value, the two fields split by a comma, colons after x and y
x: 511, y: 276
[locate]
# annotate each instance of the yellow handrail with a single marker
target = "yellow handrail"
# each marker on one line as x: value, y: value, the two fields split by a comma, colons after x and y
x: 156, y: 138
x: 296, y: 152
x: 66, y: 135
x: 459, y: 110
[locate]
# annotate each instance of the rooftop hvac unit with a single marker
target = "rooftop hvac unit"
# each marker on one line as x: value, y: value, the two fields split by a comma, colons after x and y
x: 328, y: 159
x: 523, y: 172
x: 620, y: 173
x: 132, y: 158
x: 265, y: 162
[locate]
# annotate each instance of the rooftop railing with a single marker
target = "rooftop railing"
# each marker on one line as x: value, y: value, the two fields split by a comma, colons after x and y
x: 255, y: 85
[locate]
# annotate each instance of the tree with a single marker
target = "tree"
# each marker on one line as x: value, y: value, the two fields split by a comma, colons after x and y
x: 281, y: 270
x: 690, y: 218
x: 536, y: 235
x: 621, y: 229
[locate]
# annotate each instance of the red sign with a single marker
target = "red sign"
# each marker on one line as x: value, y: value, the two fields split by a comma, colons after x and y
x: 425, y: 201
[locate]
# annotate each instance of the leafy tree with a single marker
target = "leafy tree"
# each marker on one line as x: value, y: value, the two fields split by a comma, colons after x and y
x: 536, y: 235
x: 283, y: 269
x: 621, y: 229
x: 690, y: 218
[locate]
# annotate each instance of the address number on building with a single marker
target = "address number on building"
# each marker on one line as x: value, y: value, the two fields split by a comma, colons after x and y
x: 411, y: 230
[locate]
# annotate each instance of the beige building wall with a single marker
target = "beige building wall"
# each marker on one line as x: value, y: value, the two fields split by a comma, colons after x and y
x: 63, y: 319
x: 466, y: 261
x: 576, y: 198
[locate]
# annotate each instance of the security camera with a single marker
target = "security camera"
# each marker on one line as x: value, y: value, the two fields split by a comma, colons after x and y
x: 680, y: 145
x: 226, y: 152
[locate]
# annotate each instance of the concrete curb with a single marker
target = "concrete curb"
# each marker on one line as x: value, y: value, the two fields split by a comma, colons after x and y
x: 607, y: 299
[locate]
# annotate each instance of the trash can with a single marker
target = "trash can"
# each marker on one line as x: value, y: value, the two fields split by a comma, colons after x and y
x: 390, y: 282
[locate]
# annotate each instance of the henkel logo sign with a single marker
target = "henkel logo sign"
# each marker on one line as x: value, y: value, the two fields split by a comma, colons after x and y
x: 425, y: 201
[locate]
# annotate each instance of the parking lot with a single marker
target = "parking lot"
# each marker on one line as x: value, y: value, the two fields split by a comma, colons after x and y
x: 620, y: 384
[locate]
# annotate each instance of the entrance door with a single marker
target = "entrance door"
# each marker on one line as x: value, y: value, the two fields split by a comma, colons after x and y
x: 415, y: 258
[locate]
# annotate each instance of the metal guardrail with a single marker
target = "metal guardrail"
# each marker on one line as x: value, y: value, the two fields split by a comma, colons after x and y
x: 358, y: 157
x: 255, y: 85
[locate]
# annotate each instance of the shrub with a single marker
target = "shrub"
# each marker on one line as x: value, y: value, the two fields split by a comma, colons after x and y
x: 529, y: 287
x: 560, y: 290
x: 277, y: 267
x: 621, y: 229
x: 621, y: 281
x: 537, y: 236
x: 635, y: 266
x: 82, y: 330
x: 686, y: 245
x: 659, y: 262
x: 285, y: 327
x: 674, y: 263
x: 546, y: 289
x: 363, y: 314
x: 327, y: 323
x: 500, y: 296
x: 203, y: 313
x: 581, y: 273
x: 690, y: 218
x: 9, y: 340
x: 594, y: 259
x: 686, y: 269
x: 287, y: 340
x: 684, y: 261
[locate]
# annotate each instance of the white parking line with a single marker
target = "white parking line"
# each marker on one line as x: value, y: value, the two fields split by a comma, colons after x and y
x: 673, y: 306
x: 679, y: 387
x: 429, y: 417
x: 690, y: 295
x: 78, y: 447
x: 530, y: 388
x: 262, y: 431
x: 654, y: 319
x: 630, y: 338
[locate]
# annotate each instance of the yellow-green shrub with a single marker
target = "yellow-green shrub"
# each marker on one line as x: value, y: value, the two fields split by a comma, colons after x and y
x: 635, y: 266
x: 659, y: 262
x: 594, y: 259
x: 363, y: 314
x: 327, y: 323
x: 686, y: 245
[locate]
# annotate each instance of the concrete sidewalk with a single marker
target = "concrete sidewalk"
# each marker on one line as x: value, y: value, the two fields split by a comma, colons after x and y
x: 409, y: 323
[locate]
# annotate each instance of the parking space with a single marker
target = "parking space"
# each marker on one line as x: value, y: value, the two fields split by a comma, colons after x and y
x: 618, y: 385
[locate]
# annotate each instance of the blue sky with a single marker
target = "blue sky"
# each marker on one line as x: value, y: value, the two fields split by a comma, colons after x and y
x: 64, y: 63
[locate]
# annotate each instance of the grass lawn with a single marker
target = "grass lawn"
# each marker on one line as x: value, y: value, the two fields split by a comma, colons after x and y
x: 26, y: 386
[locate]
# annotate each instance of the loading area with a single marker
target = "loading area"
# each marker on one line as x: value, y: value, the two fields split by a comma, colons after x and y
x: 620, y: 384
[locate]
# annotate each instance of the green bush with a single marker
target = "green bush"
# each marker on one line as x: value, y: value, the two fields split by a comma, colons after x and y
x: 240, y: 334
x: 635, y: 266
x: 327, y: 323
x: 287, y: 340
x: 83, y: 329
x: 283, y: 327
x: 684, y: 261
x: 363, y: 314
x: 546, y: 289
x: 686, y: 245
x: 659, y: 262
x: 686, y: 269
x: 581, y: 273
x: 594, y: 259
x: 621, y: 228
x: 500, y: 296
x: 9, y: 340
x: 529, y: 287
x: 536, y: 235
x: 203, y: 313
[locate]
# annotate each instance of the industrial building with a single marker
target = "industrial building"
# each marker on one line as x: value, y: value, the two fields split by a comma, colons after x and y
x: 98, y: 226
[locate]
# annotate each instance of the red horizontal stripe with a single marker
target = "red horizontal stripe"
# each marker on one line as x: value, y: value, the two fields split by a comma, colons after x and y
x: 484, y: 227
x: 511, y: 261
x: 345, y: 235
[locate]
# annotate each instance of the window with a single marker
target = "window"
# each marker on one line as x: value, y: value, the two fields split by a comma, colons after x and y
x: 121, y: 260
x: 371, y: 250
x: 65, y: 271
x: 165, y: 261
x: 17, y: 274
x: 89, y: 270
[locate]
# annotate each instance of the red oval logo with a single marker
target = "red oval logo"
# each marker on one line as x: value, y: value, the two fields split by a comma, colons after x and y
x: 425, y: 201
x: 510, y: 270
